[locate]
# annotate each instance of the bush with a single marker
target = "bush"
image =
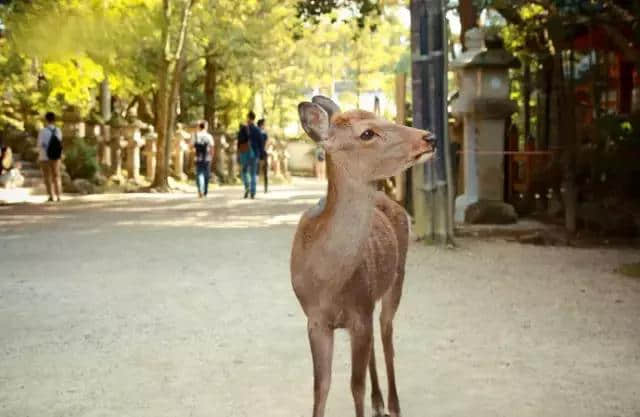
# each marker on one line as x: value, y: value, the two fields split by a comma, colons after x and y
x: 80, y: 159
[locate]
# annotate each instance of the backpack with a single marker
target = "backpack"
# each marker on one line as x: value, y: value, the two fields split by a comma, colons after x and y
x: 243, y: 139
x: 202, y: 149
x: 54, y: 148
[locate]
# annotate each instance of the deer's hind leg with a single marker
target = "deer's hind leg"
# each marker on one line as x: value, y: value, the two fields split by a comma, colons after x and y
x: 376, y: 392
x: 390, y: 302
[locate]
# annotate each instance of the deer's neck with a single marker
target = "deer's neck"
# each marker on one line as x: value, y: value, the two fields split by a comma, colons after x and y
x: 348, y: 213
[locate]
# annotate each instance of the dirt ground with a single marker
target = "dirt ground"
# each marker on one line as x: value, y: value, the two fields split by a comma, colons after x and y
x: 166, y: 305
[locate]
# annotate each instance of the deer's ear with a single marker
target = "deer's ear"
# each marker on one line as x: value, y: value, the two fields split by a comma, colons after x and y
x: 327, y: 104
x: 314, y: 120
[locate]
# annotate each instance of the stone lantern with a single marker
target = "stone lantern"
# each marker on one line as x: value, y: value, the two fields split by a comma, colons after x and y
x: 98, y: 134
x: 93, y: 128
x: 483, y: 105
x: 181, y: 146
x: 72, y: 123
x: 150, y: 150
x: 133, y: 137
x: 118, y: 130
x: 275, y: 159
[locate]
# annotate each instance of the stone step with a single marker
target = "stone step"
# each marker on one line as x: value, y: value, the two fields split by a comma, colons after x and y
x: 31, y: 172
x: 27, y: 164
x: 32, y: 182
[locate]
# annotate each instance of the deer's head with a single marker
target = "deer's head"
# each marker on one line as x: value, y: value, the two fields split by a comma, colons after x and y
x: 366, y: 147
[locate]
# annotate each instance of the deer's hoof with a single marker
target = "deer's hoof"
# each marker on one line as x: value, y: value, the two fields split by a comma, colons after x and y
x: 379, y: 412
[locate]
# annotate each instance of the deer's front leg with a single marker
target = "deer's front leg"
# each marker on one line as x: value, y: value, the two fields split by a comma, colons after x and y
x: 321, y: 340
x: 361, y: 343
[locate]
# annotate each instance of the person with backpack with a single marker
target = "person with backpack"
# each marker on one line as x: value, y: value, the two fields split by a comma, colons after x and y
x: 203, y: 145
x: 50, y: 147
x: 249, y: 151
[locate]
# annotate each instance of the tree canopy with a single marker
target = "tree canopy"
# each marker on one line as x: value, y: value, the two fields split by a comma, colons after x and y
x: 237, y: 55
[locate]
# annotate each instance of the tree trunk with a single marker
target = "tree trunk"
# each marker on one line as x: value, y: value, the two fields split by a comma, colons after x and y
x: 526, y: 96
x: 210, y: 85
x: 161, y: 181
x: 169, y: 81
x: 567, y: 133
x: 545, y: 119
x: 358, y: 85
x: 174, y: 98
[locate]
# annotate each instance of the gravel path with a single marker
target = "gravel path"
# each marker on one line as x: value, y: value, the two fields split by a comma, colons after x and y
x: 165, y: 305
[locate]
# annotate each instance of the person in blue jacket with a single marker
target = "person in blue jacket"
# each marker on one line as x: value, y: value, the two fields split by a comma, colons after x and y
x: 249, y: 151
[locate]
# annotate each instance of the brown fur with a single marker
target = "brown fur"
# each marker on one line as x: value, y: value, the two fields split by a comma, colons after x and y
x: 349, y: 252
x: 345, y: 119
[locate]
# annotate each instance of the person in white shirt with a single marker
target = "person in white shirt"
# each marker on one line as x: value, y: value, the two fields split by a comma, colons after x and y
x: 50, y: 165
x: 203, y: 145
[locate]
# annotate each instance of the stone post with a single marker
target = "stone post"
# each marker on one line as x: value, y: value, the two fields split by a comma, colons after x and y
x: 275, y: 164
x: 94, y: 132
x: 483, y: 105
x: 150, y: 150
x: 180, y: 147
x: 104, y: 150
x: 116, y: 144
x: 134, y: 142
x: 270, y: 155
x: 284, y: 160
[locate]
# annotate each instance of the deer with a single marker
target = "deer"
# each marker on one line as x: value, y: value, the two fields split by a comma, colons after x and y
x: 349, y: 250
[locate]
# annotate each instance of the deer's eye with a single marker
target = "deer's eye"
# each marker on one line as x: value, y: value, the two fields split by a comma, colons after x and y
x: 368, y: 134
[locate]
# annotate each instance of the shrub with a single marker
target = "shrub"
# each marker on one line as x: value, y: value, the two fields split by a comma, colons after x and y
x: 80, y: 159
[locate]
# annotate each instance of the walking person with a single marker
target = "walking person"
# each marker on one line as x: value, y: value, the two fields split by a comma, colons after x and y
x: 204, y: 147
x: 249, y: 150
x: 264, y: 160
x: 50, y: 147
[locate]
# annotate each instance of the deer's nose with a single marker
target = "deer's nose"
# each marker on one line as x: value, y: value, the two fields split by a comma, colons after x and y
x: 430, y: 138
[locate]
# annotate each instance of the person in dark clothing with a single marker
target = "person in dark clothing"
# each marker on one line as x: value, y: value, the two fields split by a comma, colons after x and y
x: 263, y: 156
x: 249, y: 151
